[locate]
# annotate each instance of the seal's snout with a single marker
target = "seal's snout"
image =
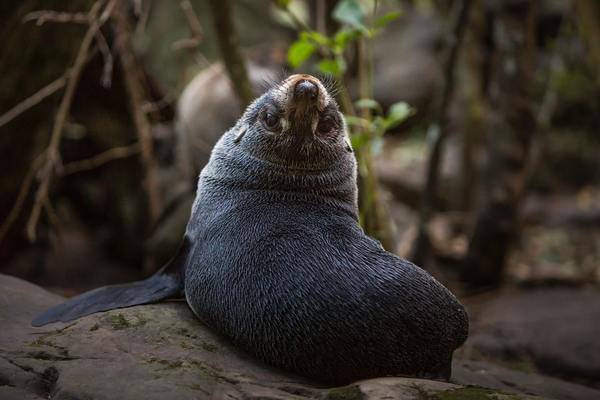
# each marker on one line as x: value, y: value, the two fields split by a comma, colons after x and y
x: 303, y: 98
x: 306, y: 91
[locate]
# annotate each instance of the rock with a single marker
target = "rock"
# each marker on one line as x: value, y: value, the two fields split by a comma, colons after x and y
x: 162, y: 351
x: 553, y: 330
x: 206, y: 109
x: 488, y: 375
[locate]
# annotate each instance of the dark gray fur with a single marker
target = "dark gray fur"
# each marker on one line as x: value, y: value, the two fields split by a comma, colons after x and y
x: 276, y: 261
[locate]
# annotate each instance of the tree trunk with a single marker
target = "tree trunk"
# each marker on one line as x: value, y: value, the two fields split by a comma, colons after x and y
x: 133, y: 76
x: 437, y: 133
x: 229, y: 44
x: 588, y: 15
x: 510, y: 131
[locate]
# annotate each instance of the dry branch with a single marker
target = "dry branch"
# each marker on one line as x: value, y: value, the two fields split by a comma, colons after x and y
x: 52, y: 156
x: 32, y: 100
x: 193, y: 23
x: 107, y: 69
x: 136, y: 92
x: 43, y: 16
x: 21, y: 197
x: 100, y: 159
x: 230, y: 50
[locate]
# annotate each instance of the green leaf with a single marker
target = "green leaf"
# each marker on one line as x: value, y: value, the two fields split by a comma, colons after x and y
x: 349, y: 12
x: 329, y: 66
x: 300, y: 51
x: 400, y: 111
x: 358, y: 140
x: 351, y: 120
x: 384, y: 20
x: 317, y: 38
x: 397, y: 113
x: 379, y: 126
x: 283, y: 4
x: 368, y: 103
x: 343, y: 37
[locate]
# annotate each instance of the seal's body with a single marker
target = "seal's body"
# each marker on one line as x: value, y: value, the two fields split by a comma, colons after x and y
x: 274, y: 257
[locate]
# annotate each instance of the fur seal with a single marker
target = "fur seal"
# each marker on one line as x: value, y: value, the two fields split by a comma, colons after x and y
x: 274, y: 258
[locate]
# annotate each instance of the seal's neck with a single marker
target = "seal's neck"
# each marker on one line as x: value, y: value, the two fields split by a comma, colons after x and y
x: 240, y: 171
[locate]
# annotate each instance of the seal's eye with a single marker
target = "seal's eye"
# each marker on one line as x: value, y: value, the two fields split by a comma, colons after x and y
x: 326, y: 124
x: 271, y: 121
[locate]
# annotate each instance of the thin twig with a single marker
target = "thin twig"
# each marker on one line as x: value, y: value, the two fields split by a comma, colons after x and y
x: 40, y: 95
x: 34, y: 99
x: 21, y: 197
x: 107, y: 69
x: 193, y: 23
x: 143, y: 14
x: 137, y: 7
x: 42, y: 16
x: 100, y: 159
x: 149, y: 107
x: 52, y: 215
x: 52, y: 156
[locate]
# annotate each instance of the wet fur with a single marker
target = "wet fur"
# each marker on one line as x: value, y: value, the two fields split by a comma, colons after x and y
x: 275, y: 260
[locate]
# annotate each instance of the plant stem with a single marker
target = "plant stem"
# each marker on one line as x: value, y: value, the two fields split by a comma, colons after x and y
x: 373, y: 213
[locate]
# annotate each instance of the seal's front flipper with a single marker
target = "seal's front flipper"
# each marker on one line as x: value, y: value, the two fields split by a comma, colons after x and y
x: 166, y: 283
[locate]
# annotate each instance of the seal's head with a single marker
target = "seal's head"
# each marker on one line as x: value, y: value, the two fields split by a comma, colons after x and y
x: 296, y: 123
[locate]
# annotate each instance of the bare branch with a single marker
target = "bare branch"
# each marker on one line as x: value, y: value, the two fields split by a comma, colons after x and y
x: 52, y: 157
x: 136, y: 92
x: 143, y: 12
x: 43, y: 16
x: 195, y: 27
x: 21, y: 197
x: 229, y: 45
x: 34, y: 99
x: 106, y: 79
x: 149, y: 107
x: 100, y: 159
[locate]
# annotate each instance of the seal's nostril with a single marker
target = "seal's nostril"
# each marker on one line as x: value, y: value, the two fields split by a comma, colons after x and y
x: 306, y: 89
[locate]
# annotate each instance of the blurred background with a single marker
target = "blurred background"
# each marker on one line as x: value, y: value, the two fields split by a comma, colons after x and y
x: 475, y: 123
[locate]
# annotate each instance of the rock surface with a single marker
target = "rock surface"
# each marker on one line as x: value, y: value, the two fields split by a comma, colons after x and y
x: 552, y: 330
x: 162, y: 351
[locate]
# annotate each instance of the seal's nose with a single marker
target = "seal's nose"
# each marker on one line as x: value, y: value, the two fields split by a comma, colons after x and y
x: 306, y: 90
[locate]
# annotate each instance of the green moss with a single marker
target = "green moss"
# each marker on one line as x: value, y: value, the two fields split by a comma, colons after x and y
x: 524, y: 366
x: 94, y: 328
x: 118, y: 322
x: 185, y: 345
x: 209, y: 347
x: 197, y: 388
x: 166, y: 364
x: 185, y: 332
x: 574, y: 86
x: 345, y: 393
x: 473, y: 393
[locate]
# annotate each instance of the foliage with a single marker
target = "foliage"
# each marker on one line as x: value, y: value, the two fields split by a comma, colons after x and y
x: 331, y: 52
x: 359, y: 24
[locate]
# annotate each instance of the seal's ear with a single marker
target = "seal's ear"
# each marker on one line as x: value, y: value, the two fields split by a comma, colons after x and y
x: 240, y: 134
